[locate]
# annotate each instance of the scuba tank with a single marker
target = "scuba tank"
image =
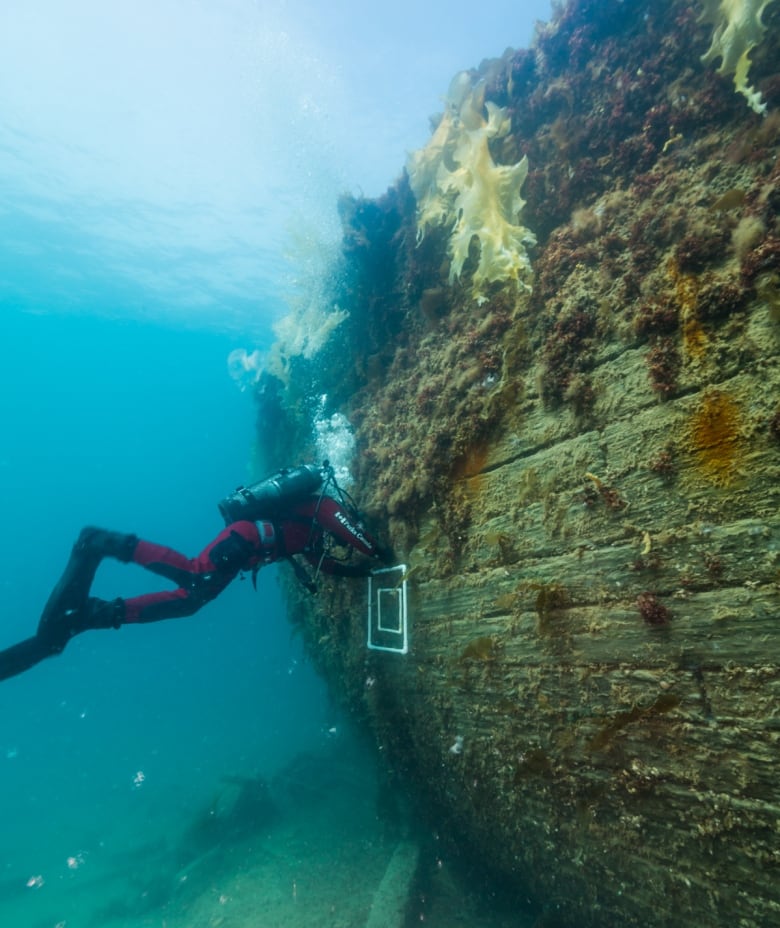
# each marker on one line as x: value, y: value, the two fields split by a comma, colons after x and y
x: 267, y: 499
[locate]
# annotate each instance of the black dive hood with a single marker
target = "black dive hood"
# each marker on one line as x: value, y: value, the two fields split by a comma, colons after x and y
x: 268, y: 498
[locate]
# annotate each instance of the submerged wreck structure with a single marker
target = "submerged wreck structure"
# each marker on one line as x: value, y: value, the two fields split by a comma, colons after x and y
x: 557, y: 350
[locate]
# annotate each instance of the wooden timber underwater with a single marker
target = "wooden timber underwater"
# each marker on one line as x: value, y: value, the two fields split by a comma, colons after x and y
x: 583, y: 477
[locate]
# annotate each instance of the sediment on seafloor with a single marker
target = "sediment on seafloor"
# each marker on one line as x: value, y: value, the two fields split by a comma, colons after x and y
x: 578, y: 462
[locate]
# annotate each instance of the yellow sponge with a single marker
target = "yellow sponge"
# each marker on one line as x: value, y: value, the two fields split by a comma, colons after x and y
x: 738, y: 29
x: 456, y: 182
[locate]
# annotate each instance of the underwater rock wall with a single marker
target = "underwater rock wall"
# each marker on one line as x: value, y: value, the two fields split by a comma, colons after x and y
x: 583, y: 479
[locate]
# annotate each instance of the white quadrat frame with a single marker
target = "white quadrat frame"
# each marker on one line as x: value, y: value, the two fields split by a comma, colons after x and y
x: 388, y: 617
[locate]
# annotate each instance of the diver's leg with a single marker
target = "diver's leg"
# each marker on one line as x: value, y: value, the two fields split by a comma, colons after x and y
x: 175, y: 604
x: 166, y: 562
x: 119, y: 545
x: 232, y: 550
x: 95, y: 613
x: 92, y: 613
x: 69, y: 609
x: 59, y: 620
x: 237, y: 547
x: 22, y: 656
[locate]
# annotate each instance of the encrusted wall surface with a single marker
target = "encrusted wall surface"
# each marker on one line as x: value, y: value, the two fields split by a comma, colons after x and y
x: 584, y: 481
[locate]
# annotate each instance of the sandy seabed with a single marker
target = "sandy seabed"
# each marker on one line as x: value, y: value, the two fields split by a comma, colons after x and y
x: 309, y: 849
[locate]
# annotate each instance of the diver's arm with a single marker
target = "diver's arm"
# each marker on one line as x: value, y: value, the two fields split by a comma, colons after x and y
x: 338, y: 569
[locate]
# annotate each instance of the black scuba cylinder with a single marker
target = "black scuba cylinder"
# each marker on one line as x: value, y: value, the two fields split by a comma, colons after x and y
x: 267, y: 499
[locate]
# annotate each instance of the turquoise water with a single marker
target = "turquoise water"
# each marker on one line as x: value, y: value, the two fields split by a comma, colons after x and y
x: 139, y: 428
x: 187, y: 773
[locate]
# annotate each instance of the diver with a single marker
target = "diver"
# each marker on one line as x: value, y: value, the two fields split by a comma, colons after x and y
x: 286, y: 515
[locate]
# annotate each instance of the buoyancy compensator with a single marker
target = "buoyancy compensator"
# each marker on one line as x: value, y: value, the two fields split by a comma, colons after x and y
x: 268, y: 498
